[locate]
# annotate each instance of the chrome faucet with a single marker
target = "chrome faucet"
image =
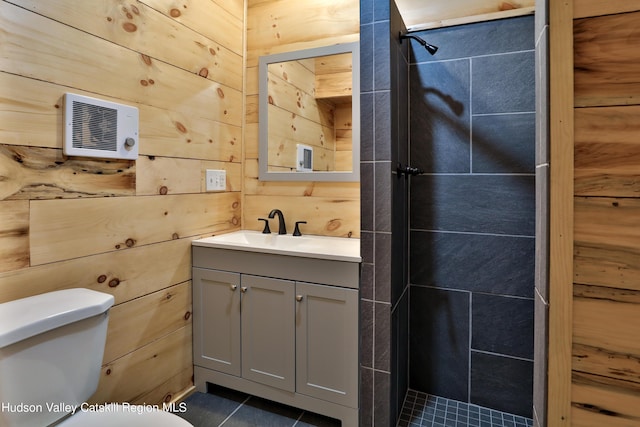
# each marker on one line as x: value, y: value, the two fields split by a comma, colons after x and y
x: 282, y: 228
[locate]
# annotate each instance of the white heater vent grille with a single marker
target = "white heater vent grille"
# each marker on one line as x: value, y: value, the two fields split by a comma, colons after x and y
x: 96, y: 128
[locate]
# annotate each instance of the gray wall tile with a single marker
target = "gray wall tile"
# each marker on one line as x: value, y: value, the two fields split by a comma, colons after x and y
x: 504, y: 143
x: 500, y: 204
x: 367, y: 49
x: 540, y: 363
x: 502, y: 383
x: 439, y: 341
x: 502, y: 325
x: 440, y: 116
x: 382, y: 57
x: 501, y: 265
x: 503, y: 83
x: 484, y: 38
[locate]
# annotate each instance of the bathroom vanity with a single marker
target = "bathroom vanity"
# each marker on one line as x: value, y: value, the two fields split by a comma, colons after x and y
x: 277, y: 317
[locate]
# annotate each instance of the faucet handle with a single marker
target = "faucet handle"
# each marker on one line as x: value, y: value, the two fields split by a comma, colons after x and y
x: 296, y: 231
x: 266, y: 229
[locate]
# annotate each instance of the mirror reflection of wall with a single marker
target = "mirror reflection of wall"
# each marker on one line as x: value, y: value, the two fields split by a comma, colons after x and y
x: 309, y: 103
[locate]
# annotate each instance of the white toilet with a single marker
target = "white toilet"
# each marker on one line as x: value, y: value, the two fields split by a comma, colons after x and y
x: 51, y: 348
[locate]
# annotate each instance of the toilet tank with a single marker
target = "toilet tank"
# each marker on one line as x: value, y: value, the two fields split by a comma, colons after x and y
x: 51, y: 348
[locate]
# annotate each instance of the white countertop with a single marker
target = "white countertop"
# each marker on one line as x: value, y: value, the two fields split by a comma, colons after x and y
x: 308, y: 246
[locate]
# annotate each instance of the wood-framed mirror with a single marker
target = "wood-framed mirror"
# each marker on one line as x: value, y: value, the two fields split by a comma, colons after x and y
x: 309, y: 114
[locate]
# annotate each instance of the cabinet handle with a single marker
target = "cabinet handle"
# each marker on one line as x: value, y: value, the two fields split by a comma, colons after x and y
x: 243, y: 289
x: 298, y: 298
x: 233, y: 287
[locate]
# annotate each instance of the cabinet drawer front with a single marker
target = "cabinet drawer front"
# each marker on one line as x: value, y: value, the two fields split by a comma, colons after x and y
x: 216, y: 320
x: 327, y: 343
x: 268, y: 331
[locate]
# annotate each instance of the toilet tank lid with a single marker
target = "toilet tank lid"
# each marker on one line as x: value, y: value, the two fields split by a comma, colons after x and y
x: 24, y: 318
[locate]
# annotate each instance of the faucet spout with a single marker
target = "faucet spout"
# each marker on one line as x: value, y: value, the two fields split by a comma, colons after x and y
x: 282, y: 228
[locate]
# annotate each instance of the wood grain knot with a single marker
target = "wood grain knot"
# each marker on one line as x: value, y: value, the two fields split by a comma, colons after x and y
x: 212, y: 51
x: 203, y: 72
x: 333, y: 225
x: 163, y: 190
x: 108, y: 371
x: 135, y: 10
x: 220, y: 93
x: 235, y: 205
x: 181, y: 128
x: 146, y: 58
x: 175, y: 236
x: 167, y: 398
x: 175, y: 13
x: 144, y: 83
x: 102, y: 278
x: 129, y: 27
x: 187, y: 315
x: 130, y: 242
x: 114, y: 282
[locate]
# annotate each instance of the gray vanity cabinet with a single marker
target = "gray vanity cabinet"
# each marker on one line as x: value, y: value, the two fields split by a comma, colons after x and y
x: 216, y: 329
x: 244, y: 326
x: 258, y: 327
x: 268, y: 333
x: 323, y: 339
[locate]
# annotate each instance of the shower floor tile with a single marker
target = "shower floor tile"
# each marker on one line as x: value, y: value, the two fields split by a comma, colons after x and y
x: 425, y: 410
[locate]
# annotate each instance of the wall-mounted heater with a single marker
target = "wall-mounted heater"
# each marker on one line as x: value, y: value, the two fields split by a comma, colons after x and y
x: 97, y: 128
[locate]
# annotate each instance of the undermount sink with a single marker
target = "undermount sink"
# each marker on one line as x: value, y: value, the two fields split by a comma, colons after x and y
x: 323, y: 247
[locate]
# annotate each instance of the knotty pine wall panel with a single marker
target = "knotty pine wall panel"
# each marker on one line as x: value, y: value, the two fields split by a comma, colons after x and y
x: 102, y: 67
x: 135, y: 374
x: 126, y: 275
x: 121, y: 227
x: 33, y: 109
x: 282, y: 26
x: 14, y: 234
x: 44, y: 173
x: 606, y: 291
x: 78, y: 227
x: 161, y: 312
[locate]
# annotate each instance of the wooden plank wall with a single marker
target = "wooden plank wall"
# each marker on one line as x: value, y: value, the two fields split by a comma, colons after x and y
x: 275, y: 26
x: 606, y: 291
x: 121, y: 227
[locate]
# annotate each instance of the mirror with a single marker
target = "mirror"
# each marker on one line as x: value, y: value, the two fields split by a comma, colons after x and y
x: 309, y: 115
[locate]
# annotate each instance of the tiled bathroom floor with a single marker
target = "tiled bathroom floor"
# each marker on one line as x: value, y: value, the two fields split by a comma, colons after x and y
x: 221, y: 407
x: 424, y: 410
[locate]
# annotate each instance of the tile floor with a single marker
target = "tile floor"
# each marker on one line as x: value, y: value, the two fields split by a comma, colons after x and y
x: 223, y: 407
x: 424, y: 410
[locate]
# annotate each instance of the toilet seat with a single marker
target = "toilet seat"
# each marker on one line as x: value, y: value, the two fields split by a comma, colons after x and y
x: 119, y: 416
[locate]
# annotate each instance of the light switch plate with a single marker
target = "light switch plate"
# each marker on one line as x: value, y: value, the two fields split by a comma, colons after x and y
x: 216, y: 180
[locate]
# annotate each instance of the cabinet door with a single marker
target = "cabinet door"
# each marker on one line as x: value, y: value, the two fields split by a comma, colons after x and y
x: 216, y: 320
x: 268, y: 331
x: 327, y: 343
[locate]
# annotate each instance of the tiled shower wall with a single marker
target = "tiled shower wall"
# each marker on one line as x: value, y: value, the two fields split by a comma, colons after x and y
x: 472, y: 214
x: 542, y: 214
x: 384, y: 217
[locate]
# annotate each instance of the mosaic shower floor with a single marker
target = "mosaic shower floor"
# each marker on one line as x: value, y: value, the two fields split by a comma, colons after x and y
x: 424, y: 410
